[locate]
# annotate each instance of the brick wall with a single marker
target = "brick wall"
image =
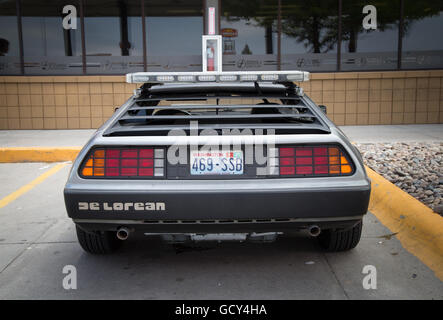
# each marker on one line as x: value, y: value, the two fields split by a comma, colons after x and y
x: 357, y: 98
x: 362, y: 98
x: 60, y: 102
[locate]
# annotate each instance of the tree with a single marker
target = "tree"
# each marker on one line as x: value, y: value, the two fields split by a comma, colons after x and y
x: 246, y: 50
x: 315, y: 23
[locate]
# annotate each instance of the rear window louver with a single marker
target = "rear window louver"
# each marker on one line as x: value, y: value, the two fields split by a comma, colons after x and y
x: 144, y: 117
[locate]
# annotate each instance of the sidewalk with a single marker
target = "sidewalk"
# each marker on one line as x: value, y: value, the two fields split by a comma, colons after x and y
x: 359, y: 134
x: 394, y: 133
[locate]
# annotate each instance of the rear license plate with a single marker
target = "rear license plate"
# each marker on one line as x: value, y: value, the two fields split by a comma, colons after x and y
x: 216, y: 162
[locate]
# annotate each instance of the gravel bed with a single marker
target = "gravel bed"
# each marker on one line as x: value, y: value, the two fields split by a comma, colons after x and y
x: 414, y: 167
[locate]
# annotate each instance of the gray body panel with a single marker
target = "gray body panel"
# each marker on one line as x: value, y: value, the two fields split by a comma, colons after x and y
x: 240, y: 191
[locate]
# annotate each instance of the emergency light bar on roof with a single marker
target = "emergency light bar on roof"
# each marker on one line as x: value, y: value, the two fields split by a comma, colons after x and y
x: 242, y: 76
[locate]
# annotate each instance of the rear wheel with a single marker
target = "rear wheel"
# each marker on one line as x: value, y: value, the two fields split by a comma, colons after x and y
x: 98, y: 242
x: 341, y: 240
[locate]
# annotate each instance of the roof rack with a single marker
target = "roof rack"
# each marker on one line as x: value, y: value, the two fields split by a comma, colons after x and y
x: 228, y: 76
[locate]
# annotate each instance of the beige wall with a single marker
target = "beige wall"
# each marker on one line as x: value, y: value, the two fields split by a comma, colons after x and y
x: 65, y: 102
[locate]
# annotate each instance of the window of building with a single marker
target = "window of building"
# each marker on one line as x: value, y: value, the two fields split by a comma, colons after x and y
x: 113, y: 36
x: 9, y: 43
x: 363, y: 49
x: 249, y: 31
x: 422, y: 47
x: 47, y: 47
x: 174, y: 32
x: 309, y: 35
x: 307, y: 32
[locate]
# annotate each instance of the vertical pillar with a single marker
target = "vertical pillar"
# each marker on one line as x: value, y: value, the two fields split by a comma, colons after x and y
x: 279, y: 35
x: 400, y: 34
x: 212, y: 17
x: 124, y: 38
x: 339, y: 31
x: 82, y: 24
x: 20, y: 36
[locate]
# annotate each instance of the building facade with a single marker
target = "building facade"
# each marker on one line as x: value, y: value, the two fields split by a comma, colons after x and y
x: 53, y: 77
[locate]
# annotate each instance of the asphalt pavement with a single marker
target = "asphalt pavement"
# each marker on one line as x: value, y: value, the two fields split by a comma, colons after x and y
x: 37, y: 241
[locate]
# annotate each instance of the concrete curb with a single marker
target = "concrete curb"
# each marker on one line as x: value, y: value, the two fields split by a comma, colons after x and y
x: 417, y: 227
x: 38, y: 154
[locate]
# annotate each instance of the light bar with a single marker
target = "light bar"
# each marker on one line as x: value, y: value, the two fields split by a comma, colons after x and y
x: 243, y: 76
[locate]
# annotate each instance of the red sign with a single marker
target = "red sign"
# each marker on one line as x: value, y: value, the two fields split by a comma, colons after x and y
x: 229, y: 32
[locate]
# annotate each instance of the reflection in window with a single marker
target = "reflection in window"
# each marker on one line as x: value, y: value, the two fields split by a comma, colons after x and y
x: 250, y: 37
x: 9, y: 46
x: 309, y: 27
x: 48, y: 47
x: 249, y: 27
x: 370, y: 49
x: 421, y: 49
x: 309, y: 35
x: 113, y: 36
x: 249, y: 31
x: 308, y: 32
x: 173, y: 35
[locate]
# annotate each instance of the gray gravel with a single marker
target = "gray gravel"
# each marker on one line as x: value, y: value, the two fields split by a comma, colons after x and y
x: 415, y: 167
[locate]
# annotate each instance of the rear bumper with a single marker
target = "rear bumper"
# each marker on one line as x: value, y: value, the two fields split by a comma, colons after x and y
x: 286, y: 226
x: 217, y: 211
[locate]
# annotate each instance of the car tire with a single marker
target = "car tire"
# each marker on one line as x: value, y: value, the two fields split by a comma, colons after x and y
x: 341, y: 240
x: 98, y: 242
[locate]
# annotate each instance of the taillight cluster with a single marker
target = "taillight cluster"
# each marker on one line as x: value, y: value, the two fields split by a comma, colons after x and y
x: 130, y: 162
x: 310, y: 161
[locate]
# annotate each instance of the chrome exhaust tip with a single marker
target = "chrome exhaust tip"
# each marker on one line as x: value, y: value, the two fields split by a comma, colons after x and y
x: 122, y: 233
x: 314, y: 230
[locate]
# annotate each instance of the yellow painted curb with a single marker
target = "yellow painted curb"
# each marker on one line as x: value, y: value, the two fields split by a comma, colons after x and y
x: 417, y: 227
x: 38, y: 154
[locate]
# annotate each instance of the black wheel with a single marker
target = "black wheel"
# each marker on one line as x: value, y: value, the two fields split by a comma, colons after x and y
x: 99, y: 242
x: 341, y: 240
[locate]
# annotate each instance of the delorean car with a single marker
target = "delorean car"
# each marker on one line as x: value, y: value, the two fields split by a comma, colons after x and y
x: 218, y: 156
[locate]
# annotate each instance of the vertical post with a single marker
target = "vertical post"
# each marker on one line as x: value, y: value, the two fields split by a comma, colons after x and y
x: 67, y: 42
x: 145, y: 61
x: 269, y: 40
x: 211, y: 21
x: 124, y: 37
x: 204, y: 17
x: 339, y: 35
x: 218, y: 16
x: 211, y: 17
x: 82, y: 25
x: 279, y: 35
x: 20, y: 36
x: 400, y: 34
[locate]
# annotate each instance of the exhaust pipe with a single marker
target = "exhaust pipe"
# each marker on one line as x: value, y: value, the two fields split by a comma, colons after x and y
x: 123, y: 233
x: 314, y: 230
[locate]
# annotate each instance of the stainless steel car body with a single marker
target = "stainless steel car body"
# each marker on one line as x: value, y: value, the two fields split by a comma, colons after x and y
x: 357, y: 181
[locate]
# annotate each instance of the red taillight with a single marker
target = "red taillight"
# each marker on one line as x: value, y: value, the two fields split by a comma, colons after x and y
x: 311, y: 161
x: 128, y: 162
